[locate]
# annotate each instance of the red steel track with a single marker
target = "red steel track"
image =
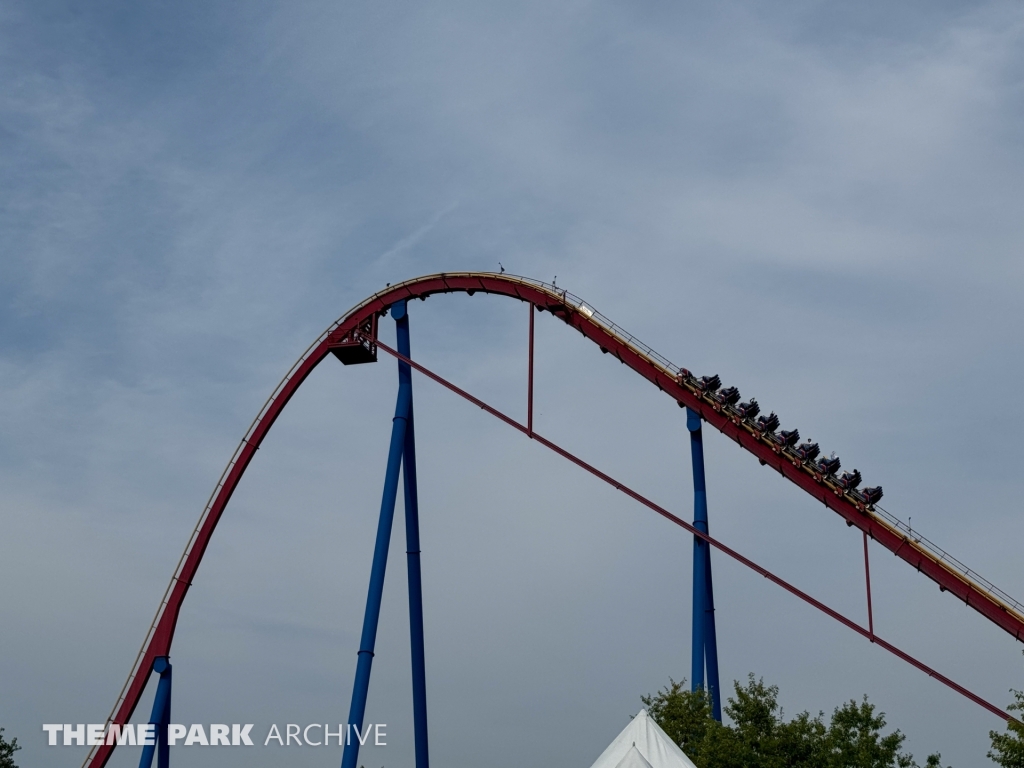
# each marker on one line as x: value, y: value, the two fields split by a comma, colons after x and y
x: 359, y: 323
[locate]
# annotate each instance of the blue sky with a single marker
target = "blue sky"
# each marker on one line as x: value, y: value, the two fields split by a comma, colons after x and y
x: 819, y: 202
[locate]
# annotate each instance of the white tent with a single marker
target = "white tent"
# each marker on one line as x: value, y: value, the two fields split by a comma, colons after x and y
x: 642, y: 744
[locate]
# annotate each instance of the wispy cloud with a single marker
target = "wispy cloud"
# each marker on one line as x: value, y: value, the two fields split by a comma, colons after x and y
x: 414, y: 237
x: 818, y: 202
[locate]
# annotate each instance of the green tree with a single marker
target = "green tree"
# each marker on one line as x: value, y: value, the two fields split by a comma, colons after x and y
x: 855, y: 738
x: 759, y: 736
x: 1008, y: 748
x: 684, y: 715
x: 7, y: 750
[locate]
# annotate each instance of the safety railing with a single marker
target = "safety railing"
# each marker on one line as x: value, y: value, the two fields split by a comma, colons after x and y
x: 574, y: 302
x: 900, y: 527
x: 942, y: 556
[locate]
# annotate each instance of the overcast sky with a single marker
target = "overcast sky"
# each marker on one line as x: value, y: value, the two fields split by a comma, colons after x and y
x: 820, y: 202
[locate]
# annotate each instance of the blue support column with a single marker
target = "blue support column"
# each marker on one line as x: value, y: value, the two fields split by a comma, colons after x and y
x: 380, y: 561
x: 704, y: 642
x: 161, y: 717
x: 412, y: 539
x: 711, y: 636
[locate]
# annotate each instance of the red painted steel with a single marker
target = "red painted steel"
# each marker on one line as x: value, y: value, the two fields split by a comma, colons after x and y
x: 867, y: 583
x: 529, y: 385
x: 610, y: 339
x: 868, y: 633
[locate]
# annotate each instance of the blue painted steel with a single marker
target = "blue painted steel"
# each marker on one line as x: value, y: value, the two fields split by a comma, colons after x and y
x: 711, y: 638
x: 700, y: 521
x: 412, y: 541
x: 704, y: 638
x: 380, y: 561
x: 160, y: 717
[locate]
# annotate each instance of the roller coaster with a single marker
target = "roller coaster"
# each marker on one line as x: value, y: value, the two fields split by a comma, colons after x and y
x: 353, y: 339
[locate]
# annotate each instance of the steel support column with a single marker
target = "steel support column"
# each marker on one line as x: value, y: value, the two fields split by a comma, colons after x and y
x: 412, y: 538
x: 368, y: 639
x: 867, y: 582
x: 529, y: 379
x: 704, y: 640
x: 160, y: 717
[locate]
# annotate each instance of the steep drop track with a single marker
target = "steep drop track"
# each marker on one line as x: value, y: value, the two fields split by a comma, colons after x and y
x: 357, y: 329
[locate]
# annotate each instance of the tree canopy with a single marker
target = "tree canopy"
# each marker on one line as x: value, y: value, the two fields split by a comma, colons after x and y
x: 7, y: 750
x: 1008, y: 748
x: 759, y: 736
